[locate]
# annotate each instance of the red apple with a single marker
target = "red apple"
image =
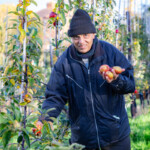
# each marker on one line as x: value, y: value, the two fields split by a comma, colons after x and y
x: 38, y: 133
x: 55, y: 23
x: 99, y: 29
x: 104, y: 68
x: 118, y: 69
x: 109, y: 74
x: 117, y: 31
x: 34, y: 130
x: 52, y: 15
x: 136, y: 91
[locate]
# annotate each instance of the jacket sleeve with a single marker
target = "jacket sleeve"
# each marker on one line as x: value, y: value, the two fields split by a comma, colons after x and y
x: 56, y: 93
x: 125, y: 82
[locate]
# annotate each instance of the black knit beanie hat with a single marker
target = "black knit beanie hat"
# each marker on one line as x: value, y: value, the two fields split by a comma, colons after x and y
x: 81, y: 23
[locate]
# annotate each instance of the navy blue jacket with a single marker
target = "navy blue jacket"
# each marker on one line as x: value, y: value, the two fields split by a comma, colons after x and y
x: 97, y: 111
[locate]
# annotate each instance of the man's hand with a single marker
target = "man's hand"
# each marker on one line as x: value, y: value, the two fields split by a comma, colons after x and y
x: 113, y: 75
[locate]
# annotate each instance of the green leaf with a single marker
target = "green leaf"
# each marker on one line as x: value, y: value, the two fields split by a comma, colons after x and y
x: 31, y: 81
x: 63, y: 18
x: 20, y: 138
x: 26, y: 137
x: 39, y: 41
x: 6, y: 137
x: 2, y: 130
x: 31, y: 67
x: 17, y: 114
x: 14, y: 12
x: 33, y: 2
x: 30, y: 125
x: 37, y: 16
x: 67, y: 7
x: 23, y: 103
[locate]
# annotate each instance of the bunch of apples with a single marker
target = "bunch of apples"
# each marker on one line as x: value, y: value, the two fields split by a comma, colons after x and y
x: 37, y: 131
x: 107, y: 70
x: 53, y: 15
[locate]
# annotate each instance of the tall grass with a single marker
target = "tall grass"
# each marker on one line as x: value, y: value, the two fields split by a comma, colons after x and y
x: 140, y: 131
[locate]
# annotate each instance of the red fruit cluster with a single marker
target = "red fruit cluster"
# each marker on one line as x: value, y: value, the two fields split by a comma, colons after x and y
x: 108, y: 70
x: 36, y: 132
x: 53, y: 15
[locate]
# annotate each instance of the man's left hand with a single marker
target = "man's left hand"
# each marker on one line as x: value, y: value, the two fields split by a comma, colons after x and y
x: 115, y: 76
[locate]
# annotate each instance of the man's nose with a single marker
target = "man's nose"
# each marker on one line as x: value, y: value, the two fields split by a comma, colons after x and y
x: 81, y: 40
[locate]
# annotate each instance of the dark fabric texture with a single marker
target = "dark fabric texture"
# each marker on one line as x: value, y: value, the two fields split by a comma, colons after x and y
x: 81, y: 23
x: 121, y: 145
x: 90, y: 53
x: 91, y: 100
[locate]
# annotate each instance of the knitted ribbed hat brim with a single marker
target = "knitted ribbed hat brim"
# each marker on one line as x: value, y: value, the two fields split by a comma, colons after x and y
x: 81, y: 23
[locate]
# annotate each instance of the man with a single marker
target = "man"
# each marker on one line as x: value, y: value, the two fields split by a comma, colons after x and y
x: 97, y: 112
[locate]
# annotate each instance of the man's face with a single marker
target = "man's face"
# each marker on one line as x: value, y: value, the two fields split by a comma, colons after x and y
x: 83, y: 42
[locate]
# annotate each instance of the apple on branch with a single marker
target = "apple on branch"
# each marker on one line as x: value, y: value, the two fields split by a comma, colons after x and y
x: 52, y: 15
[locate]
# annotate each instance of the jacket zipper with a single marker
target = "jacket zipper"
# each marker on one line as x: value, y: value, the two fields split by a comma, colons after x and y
x: 93, y: 109
x: 92, y: 101
x: 74, y: 81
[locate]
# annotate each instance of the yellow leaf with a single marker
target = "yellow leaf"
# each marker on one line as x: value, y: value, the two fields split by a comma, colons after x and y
x: 27, y: 4
x: 18, y: 87
x: 26, y: 99
x: 22, y: 36
x: 29, y: 73
x: 6, y: 70
x: 10, y: 122
x: 29, y: 12
x: 14, y: 71
x: 12, y: 81
x: 34, y: 90
x: 30, y: 91
x: 28, y: 23
x: 57, y: 18
x: 16, y: 124
x: 23, y: 103
x: 19, y: 5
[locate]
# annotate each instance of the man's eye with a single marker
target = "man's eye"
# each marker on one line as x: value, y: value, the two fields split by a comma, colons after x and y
x: 86, y: 35
x: 75, y: 37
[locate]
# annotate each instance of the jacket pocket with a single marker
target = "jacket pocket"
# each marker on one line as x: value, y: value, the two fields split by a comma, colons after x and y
x: 114, y: 129
x: 109, y: 129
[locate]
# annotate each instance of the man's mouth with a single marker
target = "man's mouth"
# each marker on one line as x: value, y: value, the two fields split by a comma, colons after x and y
x: 82, y: 46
